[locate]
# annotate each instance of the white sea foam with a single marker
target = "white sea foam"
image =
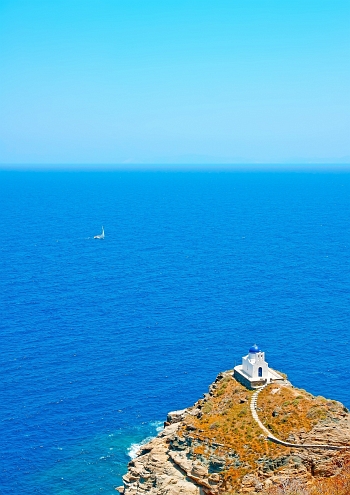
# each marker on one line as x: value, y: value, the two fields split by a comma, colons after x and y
x: 135, y: 447
x: 158, y: 425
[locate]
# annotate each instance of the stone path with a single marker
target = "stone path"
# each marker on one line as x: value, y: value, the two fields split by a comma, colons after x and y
x: 272, y: 438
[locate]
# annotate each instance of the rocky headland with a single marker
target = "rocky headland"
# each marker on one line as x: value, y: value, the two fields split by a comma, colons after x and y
x: 217, y: 446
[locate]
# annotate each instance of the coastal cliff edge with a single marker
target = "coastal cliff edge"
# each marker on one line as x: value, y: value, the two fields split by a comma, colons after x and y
x: 217, y: 447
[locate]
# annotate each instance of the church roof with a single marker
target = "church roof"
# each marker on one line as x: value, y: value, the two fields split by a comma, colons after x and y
x: 254, y: 349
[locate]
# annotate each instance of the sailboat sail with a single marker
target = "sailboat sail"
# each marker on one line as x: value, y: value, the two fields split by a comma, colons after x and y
x: 100, y: 236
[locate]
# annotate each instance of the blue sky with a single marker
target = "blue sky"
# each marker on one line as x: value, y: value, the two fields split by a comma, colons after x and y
x: 174, y: 82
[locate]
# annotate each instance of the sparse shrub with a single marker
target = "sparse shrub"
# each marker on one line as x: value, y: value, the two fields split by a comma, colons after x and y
x: 289, y: 487
x: 207, y: 407
x: 214, y: 426
x: 228, y: 421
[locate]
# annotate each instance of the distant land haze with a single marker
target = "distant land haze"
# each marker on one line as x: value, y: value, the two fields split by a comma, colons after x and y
x: 302, y: 166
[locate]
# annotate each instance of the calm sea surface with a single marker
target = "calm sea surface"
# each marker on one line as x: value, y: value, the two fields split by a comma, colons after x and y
x: 100, y: 339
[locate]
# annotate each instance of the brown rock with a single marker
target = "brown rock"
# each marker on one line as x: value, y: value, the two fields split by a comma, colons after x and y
x: 177, y: 461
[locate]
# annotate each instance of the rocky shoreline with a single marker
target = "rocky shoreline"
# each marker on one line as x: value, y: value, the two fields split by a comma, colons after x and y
x: 215, y: 446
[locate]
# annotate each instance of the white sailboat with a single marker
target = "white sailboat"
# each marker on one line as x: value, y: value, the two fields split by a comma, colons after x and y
x: 100, y: 236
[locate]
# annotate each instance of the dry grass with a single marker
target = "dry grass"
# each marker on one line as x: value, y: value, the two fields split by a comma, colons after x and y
x: 286, y: 410
x: 227, y: 421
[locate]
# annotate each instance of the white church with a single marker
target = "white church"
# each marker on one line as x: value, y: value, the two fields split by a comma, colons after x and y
x: 254, y: 370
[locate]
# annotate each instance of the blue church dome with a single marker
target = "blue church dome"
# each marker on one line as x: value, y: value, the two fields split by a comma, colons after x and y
x: 254, y: 349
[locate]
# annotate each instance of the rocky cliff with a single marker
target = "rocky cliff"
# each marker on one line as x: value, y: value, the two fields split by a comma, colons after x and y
x: 216, y: 447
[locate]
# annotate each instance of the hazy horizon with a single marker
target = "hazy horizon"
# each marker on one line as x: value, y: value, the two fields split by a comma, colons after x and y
x: 176, y: 167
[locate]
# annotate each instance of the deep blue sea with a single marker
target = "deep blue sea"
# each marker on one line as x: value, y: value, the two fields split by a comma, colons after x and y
x: 101, y: 338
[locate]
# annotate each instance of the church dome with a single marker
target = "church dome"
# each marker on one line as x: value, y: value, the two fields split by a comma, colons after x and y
x: 254, y: 349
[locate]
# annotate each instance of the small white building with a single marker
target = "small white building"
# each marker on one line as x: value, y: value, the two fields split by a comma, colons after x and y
x: 254, y: 370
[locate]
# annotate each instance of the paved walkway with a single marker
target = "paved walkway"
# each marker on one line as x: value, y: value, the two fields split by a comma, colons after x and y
x: 274, y: 439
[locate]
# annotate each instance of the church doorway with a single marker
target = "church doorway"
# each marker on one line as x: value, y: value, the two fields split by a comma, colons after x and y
x: 260, y: 372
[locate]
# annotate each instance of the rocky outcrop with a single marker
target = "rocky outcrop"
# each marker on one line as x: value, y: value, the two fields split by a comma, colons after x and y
x: 157, y: 470
x: 216, y: 447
